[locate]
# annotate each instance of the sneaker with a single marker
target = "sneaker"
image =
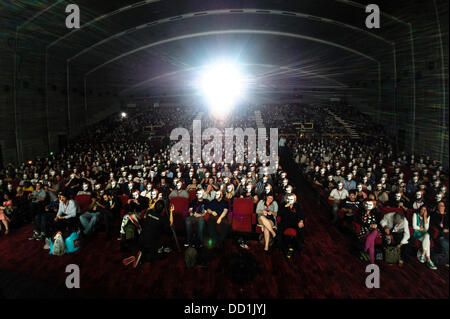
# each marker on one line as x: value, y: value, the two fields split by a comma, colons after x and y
x: 137, y: 259
x: 35, y: 235
x: 128, y: 260
x: 400, y: 263
x: 160, y: 250
x: 186, y: 245
x: 244, y: 246
x: 167, y: 250
x: 421, y: 258
x: 47, y: 243
x: 431, y: 265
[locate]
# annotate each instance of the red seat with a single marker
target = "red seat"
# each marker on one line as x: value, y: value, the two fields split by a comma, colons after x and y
x: 124, y: 202
x: 192, y: 194
x: 243, y: 216
x: 291, y: 232
x: 181, y: 211
x: 83, y: 201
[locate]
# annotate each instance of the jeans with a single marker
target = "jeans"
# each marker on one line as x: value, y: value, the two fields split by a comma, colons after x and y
x: 190, y: 221
x: 40, y: 222
x: 444, y: 244
x: 88, y: 220
x: 217, y: 235
x: 398, y: 236
x: 334, y: 211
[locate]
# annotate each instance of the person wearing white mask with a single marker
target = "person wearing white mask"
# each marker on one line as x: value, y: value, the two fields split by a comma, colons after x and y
x: 147, y: 192
x: 398, y: 200
x: 368, y: 223
x: 179, y: 191
x: 85, y: 189
x: 349, y: 183
x: 291, y: 217
x: 134, y: 207
x: 381, y: 194
x: 197, y: 211
x: 413, y: 185
x: 418, y: 202
x: 74, y: 184
x: 361, y: 195
x: 229, y: 192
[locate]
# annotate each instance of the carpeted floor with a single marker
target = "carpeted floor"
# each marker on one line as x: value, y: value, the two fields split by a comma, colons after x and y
x: 326, y: 269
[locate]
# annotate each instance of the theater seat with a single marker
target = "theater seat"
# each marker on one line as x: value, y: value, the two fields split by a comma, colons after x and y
x: 124, y: 201
x: 181, y: 211
x: 192, y: 195
x: 242, y: 214
x: 291, y: 232
x: 83, y: 201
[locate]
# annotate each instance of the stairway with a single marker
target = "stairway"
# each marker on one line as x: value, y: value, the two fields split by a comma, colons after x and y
x: 350, y: 130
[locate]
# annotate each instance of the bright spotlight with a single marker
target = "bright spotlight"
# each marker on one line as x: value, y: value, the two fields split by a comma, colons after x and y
x: 222, y: 85
x: 124, y: 114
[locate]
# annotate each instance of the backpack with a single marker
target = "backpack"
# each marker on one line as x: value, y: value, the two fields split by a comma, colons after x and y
x: 130, y: 231
x: 392, y: 254
x: 72, y: 243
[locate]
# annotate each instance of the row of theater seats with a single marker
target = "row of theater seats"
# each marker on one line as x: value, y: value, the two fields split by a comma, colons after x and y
x: 241, y: 217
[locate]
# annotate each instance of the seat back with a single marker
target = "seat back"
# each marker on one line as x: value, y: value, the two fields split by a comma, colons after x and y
x: 243, y: 211
x: 192, y: 194
x: 181, y: 205
x: 181, y: 211
x: 123, y: 199
x: 83, y: 201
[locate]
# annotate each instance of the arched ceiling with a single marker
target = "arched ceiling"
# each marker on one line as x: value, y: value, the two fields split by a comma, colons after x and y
x: 155, y: 47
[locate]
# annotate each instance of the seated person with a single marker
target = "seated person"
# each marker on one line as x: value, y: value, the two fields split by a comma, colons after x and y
x: 396, y: 231
x: 218, y: 210
x: 398, y: 202
x: 179, y: 191
x: 419, y: 201
x: 361, y: 195
x: 131, y: 220
x: 156, y: 222
x: 38, y: 200
x: 368, y: 222
x: 85, y: 189
x: 266, y: 211
x: 337, y: 195
x: 7, y: 204
x: 197, y: 210
x: 440, y: 220
x: 351, y: 205
x: 89, y: 218
x: 421, y: 224
x: 65, y: 219
x: 292, y: 217
x: 381, y: 194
